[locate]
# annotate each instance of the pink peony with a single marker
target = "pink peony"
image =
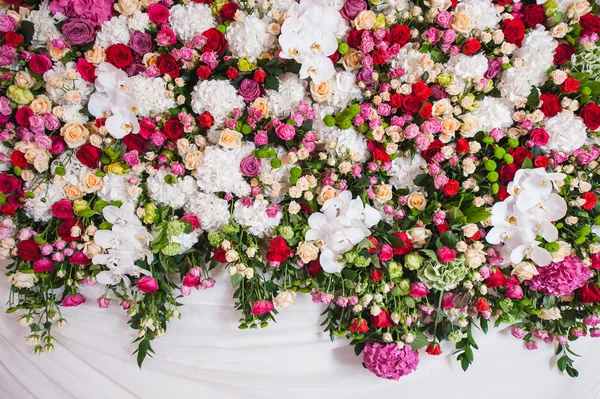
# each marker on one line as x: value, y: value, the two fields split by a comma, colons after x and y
x: 560, y: 278
x: 389, y: 361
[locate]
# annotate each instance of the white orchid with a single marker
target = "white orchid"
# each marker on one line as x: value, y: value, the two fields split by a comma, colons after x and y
x: 115, y: 101
x: 342, y: 223
x: 528, y: 213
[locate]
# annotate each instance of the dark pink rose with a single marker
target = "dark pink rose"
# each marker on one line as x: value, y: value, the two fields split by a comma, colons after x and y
x: 73, y: 300
x: 80, y: 259
x: 418, y: 290
x: 261, y: 307
x: 62, y: 209
x: 250, y: 166
x: 43, y: 265
x: 40, y: 63
x: 147, y: 284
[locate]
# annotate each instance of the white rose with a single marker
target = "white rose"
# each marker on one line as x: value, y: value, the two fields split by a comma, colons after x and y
x: 23, y: 280
x: 285, y: 299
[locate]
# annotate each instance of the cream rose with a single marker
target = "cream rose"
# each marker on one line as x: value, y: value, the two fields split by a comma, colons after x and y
x: 261, y: 104
x: 23, y: 280
x: 128, y: 7
x: 75, y: 134
x: 230, y: 139
x: 383, y: 193
x: 193, y: 159
x: 92, y: 183
x: 461, y: 22
x: 73, y: 192
x: 24, y: 79
x: 416, y: 200
x: 525, y: 270
x: 322, y: 91
x: 327, y: 193
x: 90, y: 249
x: 285, y: 299
x: 41, y: 105
x: 307, y: 252
x: 96, y: 55
x: 365, y: 20
x: 352, y: 59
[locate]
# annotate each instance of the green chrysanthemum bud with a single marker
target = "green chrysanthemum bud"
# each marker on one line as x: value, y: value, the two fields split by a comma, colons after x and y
x: 552, y: 247
x: 490, y: 165
x: 215, y: 239
x: 329, y: 120
x: 499, y: 152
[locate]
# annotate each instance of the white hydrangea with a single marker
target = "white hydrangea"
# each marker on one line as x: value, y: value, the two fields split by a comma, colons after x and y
x: 468, y: 67
x: 39, y: 208
x: 150, y: 95
x: 115, y: 31
x: 206, y: 92
x: 63, y: 90
x: 4, y: 152
x: 186, y: 241
x: 255, y: 218
x: 212, y: 211
x: 75, y: 171
x: 139, y: 21
x: 172, y: 195
x: 567, y: 132
x: 44, y: 26
x: 404, y: 170
x: 118, y: 188
x: 220, y: 170
x: 190, y: 20
x: 411, y: 60
x: 292, y: 90
x: 249, y: 37
x: 72, y: 113
x: 346, y: 143
x: 483, y: 14
x: 344, y: 90
x: 493, y: 113
x: 514, y: 85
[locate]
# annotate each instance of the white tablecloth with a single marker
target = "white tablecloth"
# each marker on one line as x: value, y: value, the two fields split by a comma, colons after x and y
x: 205, y: 355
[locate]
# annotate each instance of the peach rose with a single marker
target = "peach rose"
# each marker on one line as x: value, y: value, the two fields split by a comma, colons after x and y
x: 416, y: 200
x: 230, y: 139
x: 75, y: 134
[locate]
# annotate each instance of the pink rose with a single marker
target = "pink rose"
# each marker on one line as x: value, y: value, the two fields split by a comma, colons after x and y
x: 147, y: 284
x: 418, y: 290
x: 43, y: 265
x: 73, y: 300
x: 103, y: 302
x: 261, y: 307
x: 62, y: 209
x: 387, y: 252
x: 448, y: 301
x: 446, y: 255
x: 285, y: 132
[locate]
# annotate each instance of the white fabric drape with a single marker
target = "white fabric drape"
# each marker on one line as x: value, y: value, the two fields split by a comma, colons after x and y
x: 205, y: 355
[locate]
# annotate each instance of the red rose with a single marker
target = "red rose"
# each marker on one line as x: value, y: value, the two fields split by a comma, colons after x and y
x: 9, y: 184
x: 591, y: 116
x: 380, y: 154
x: 119, y: 55
x: 382, y: 320
x: 278, y: 251
x: 167, y: 65
x: 232, y: 73
x: 87, y: 70
x: 421, y: 90
x: 563, y: 53
x: 502, y: 193
x: 40, y: 63
x: 147, y: 284
x: 481, y: 305
x: 259, y: 76
x: 18, y: 159
x: 22, y: 116
x: 313, y: 268
x: 432, y: 150
x: 89, y: 155
x: 514, y: 31
x: 173, y: 128
x: 158, y: 13
x: 376, y: 274
x: 215, y: 41
x: 550, y: 104
x: 411, y: 104
x: 396, y: 100
x: 62, y: 209
x: 379, y: 58
x: 219, y: 255
x: 13, y: 39
x: 462, y: 146
x: 498, y: 279
x: 434, y: 349
x: 359, y: 326
x: 64, y: 230
x: 400, y: 34
x: 426, y: 111
x: 135, y: 142
x: 203, y: 72
x: 450, y: 189
x: 442, y: 228
x: 541, y: 162
x: 590, y: 200
x: 507, y: 172
x: 29, y: 251
x: 205, y: 120
x: 590, y: 23
x: 406, y: 246
x: 534, y: 15
x: 570, y: 85
x: 354, y: 38
x: 228, y: 11
x: 519, y: 154
x: 590, y: 293
x: 471, y: 46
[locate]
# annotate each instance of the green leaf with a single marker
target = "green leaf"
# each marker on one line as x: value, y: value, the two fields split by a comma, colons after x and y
x: 271, y: 82
x: 27, y: 31
x: 562, y: 363
x: 533, y: 100
x: 476, y: 214
x: 527, y: 163
x: 420, y: 340
x: 449, y: 239
x: 236, y: 279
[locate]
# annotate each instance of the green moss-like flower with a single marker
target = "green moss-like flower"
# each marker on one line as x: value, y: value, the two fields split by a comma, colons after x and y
x: 171, y: 249
x: 215, y: 239
x: 175, y: 228
x: 588, y: 61
x: 286, y: 232
x: 443, y: 276
x: 150, y: 212
x: 361, y: 261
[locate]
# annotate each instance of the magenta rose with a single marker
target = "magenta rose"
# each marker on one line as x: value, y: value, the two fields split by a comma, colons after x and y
x: 261, y: 307
x: 352, y: 8
x: 63, y: 209
x: 80, y: 259
x: 147, y: 284
x: 250, y: 166
x: 43, y: 265
x: 158, y: 13
x: 78, y: 31
x: 40, y: 63
x: 73, y: 300
x: 285, y: 132
x: 249, y: 90
x: 418, y: 290
x: 539, y: 137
